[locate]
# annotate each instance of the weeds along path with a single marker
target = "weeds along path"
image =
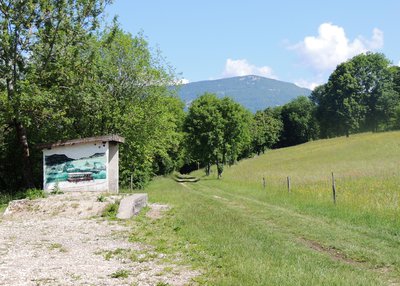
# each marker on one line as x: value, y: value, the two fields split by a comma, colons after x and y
x: 360, y: 248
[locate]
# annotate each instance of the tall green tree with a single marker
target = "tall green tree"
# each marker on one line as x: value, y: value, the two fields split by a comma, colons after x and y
x: 132, y: 99
x: 35, y: 37
x: 218, y: 130
x: 356, y: 96
x: 299, y: 122
x: 204, y: 128
x: 395, y: 73
x: 266, y: 130
x: 325, y: 113
x: 390, y: 104
x: 236, y: 131
x: 373, y: 77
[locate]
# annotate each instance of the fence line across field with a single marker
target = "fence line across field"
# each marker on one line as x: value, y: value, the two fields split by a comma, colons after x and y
x: 289, y: 185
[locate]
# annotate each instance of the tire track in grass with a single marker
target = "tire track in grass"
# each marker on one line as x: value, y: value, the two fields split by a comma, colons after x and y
x: 352, y: 245
x: 394, y: 240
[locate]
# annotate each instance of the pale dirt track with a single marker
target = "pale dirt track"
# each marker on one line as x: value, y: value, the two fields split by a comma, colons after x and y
x: 62, y: 240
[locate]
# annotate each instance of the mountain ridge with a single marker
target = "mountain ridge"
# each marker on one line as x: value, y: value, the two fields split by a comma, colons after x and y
x: 252, y: 91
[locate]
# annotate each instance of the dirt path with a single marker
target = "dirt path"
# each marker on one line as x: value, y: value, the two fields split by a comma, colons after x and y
x: 62, y: 241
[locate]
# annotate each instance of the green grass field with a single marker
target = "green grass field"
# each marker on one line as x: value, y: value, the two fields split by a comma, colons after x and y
x: 239, y: 233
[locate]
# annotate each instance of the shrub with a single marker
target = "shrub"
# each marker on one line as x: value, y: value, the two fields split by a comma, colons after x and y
x: 33, y: 194
x: 101, y: 198
x: 111, y: 211
x: 122, y: 273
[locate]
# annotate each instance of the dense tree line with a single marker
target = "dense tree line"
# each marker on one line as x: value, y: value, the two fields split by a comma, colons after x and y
x: 362, y: 94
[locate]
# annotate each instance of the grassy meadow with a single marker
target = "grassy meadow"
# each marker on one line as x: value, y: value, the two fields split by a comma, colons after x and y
x: 240, y: 233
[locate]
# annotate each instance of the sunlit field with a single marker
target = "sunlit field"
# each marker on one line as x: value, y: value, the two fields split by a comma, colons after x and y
x: 366, y: 169
x: 242, y: 233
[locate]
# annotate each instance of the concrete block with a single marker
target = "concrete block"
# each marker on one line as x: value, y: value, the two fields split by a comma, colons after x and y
x: 131, y: 205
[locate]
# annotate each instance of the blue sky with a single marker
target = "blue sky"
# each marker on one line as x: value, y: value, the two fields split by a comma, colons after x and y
x: 295, y: 41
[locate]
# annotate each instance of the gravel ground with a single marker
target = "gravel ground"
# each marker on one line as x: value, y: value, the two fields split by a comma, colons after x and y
x: 61, y: 240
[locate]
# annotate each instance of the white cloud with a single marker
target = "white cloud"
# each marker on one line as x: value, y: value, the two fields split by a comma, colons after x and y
x: 398, y: 64
x: 180, y: 81
x: 242, y: 67
x: 307, y: 84
x: 376, y: 42
x: 184, y: 81
x: 331, y: 47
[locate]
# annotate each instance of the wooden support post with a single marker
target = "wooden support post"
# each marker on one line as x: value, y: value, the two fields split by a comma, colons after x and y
x: 333, y: 189
x: 288, y: 184
x: 131, y: 186
x: 264, y: 182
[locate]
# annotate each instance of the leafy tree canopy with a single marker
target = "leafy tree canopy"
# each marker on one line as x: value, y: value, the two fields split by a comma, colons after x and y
x: 266, y: 130
x: 356, y: 96
x: 299, y: 122
x: 217, y: 131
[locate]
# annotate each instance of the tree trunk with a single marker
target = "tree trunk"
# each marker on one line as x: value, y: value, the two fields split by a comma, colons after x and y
x: 3, y: 184
x: 25, y: 154
x: 208, y: 169
x: 220, y: 168
x: 20, y: 130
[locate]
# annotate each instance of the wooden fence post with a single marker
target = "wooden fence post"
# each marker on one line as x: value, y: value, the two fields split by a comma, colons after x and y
x: 288, y: 184
x: 333, y: 189
x: 131, y: 186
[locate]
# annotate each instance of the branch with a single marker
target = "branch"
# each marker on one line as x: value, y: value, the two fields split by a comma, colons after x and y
x: 52, y: 42
x: 2, y: 5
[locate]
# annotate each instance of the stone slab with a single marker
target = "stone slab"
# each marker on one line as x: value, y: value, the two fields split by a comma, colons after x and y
x: 131, y: 205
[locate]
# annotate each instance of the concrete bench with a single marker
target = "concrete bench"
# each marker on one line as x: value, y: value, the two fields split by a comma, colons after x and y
x: 131, y: 205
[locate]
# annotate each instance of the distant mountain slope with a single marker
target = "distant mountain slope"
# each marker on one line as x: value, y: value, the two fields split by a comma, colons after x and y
x: 253, y: 92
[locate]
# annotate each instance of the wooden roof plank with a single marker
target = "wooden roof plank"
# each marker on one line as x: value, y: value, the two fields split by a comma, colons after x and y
x: 105, y: 138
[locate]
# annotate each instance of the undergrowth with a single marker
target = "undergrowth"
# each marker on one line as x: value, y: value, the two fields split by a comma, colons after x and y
x: 111, y: 211
x: 33, y: 194
x: 122, y: 273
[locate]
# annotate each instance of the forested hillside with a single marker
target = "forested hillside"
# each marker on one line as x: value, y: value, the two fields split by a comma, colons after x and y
x: 253, y: 92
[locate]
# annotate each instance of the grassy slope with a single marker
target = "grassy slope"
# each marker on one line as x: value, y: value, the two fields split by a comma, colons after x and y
x: 2, y: 208
x: 4, y: 199
x: 242, y: 234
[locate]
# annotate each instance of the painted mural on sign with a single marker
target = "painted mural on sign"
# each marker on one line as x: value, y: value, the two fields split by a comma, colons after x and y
x: 76, y: 167
x: 61, y: 168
